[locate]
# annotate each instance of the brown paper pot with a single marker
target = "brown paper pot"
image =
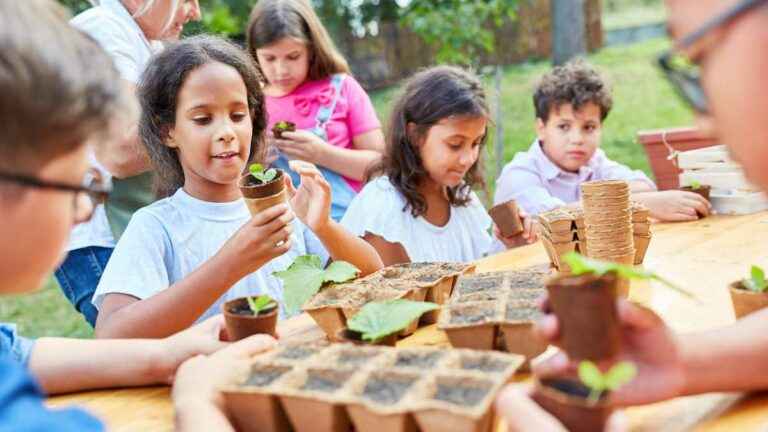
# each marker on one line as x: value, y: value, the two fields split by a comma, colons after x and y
x: 641, y: 247
x: 242, y: 326
x: 257, y: 205
x: 641, y: 228
x: 438, y: 294
x: 442, y: 416
x: 433, y: 420
x: 311, y: 415
x: 261, y: 197
x: 704, y: 191
x: 330, y: 319
x: 480, y: 337
x: 745, y: 301
x: 585, y: 305
x: 387, y: 407
x: 507, y: 218
x: 365, y: 419
x: 417, y: 294
x: 352, y: 337
x: 522, y: 338
x: 255, y: 412
x: 573, y: 411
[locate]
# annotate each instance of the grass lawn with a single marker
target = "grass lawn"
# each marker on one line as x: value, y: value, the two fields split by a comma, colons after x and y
x: 642, y: 100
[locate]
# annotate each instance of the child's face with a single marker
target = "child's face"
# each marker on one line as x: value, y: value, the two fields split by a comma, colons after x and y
x: 213, y: 131
x: 285, y: 64
x: 451, y: 147
x: 570, y: 138
x: 153, y: 22
x: 36, y: 223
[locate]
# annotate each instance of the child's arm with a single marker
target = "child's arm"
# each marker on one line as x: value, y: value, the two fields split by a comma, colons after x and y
x: 673, y: 205
x: 177, y: 307
x: 312, y: 203
x: 64, y: 365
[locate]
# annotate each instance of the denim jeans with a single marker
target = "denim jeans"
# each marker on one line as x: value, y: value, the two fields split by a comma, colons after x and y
x: 79, y: 276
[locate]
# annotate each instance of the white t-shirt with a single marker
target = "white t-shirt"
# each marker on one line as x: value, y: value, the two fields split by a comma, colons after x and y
x: 169, y: 239
x: 113, y: 27
x: 378, y: 209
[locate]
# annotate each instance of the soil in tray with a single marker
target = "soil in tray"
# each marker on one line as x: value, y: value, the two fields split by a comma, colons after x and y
x: 461, y: 395
x: 473, y: 285
x: 480, y: 296
x: 484, y: 364
x: 418, y: 359
x: 265, y: 376
x: 518, y: 282
x: 297, y: 352
x: 355, y: 358
x: 322, y: 382
x: 471, y: 316
x: 386, y: 391
x: 517, y: 313
x: 526, y: 294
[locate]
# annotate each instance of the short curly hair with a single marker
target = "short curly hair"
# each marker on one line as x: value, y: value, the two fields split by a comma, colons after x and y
x: 576, y: 83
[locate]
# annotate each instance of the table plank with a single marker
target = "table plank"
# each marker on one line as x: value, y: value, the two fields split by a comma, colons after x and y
x: 702, y: 256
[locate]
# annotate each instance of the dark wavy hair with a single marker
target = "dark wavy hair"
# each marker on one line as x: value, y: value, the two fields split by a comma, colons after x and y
x: 159, y: 91
x: 430, y: 96
x: 575, y: 83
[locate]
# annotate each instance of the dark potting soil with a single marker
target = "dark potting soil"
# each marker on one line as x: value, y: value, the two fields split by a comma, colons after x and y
x: 265, y: 377
x: 526, y: 294
x: 297, y: 352
x: 429, y: 278
x: 467, y: 286
x: 490, y: 295
x: 573, y: 388
x: 386, y: 391
x: 417, y: 359
x: 461, y: 395
x: 316, y: 382
x: 484, y: 364
x: 245, y: 310
x: 474, y: 315
x: 354, y: 358
x: 522, y: 314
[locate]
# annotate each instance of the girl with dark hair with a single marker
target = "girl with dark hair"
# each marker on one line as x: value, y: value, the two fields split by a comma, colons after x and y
x: 180, y: 258
x: 308, y: 83
x: 422, y: 207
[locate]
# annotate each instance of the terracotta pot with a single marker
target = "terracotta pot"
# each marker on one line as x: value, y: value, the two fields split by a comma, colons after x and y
x: 572, y: 410
x: 259, y: 197
x: 665, y: 171
x: 506, y: 216
x: 346, y: 335
x: 585, y: 306
x: 242, y: 326
x: 255, y: 412
x: 745, y: 301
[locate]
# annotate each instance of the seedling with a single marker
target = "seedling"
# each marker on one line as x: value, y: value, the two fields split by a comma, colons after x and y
x: 306, y: 276
x: 377, y: 320
x: 260, y: 303
x: 598, y: 383
x: 756, y: 281
x: 264, y: 177
x: 695, y: 185
x: 580, y: 264
x: 283, y: 126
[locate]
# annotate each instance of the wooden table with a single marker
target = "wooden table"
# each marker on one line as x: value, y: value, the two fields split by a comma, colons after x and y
x: 703, y: 256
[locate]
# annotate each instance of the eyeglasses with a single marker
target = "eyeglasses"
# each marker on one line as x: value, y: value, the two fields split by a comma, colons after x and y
x: 94, y: 190
x: 683, y: 73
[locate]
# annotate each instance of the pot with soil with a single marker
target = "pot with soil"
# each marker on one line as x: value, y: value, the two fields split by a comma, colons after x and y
x: 702, y: 190
x: 262, y: 189
x: 246, y: 316
x: 283, y: 126
x: 252, y: 407
x: 749, y: 295
x: 507, y: 217
x: 383, y: 402
x: 379, y: 323
x: 346, y: 335
x: 566, y: 399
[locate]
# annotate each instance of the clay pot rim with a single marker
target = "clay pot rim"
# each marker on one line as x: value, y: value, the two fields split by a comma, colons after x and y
x: 226, y: 312
x: 569, y: 399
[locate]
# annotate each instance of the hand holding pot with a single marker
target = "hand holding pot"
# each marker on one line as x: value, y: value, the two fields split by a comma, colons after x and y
x: 311, y: 202
x: 674, y: 205
x: 302, y: 145
x: 646, y: 341
x: 528, y: 236
x: 204, y: 338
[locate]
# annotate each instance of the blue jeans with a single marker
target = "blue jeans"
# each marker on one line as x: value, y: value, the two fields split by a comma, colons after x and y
x: 79, y: 276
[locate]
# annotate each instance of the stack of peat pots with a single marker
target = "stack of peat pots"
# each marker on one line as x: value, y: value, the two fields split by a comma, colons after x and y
x: 608, y: 223
x: 557, y: 230
x: 334, y: 388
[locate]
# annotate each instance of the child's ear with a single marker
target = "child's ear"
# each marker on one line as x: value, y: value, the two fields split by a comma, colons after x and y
x: 170, y: 140
x: 541, y: 125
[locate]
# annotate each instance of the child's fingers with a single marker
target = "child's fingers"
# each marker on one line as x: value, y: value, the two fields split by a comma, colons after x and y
x: 267, y: 215
x: 289, y: 186
x: 248, y: 347
x: 281, y: 240
x: 275, y: 225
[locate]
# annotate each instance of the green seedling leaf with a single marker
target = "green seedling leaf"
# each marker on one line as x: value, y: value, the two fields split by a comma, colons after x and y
x: 695, y: 185
x: 757, y: 281
x: 620, y: 374
x: 591, y: 376
x: 257, y: 171
x: 380, y: 319
x: 580, y: 264
x: 282, y: 125
x: 305, y: 276
x: 258, y: 304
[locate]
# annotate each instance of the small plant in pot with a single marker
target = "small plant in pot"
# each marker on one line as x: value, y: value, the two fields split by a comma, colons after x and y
x: 698, y: 188
x: 582, y: 405
x: 283, y: 126
x: 585, y: 305
x: 306, y: 276
x: 246, y: 316
x: 378, y: 323
x: 750, y: 294
x: 262, y: 189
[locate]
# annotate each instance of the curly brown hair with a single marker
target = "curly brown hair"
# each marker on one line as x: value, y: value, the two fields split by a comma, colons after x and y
x: 576, y: 83
x: 429, y: 96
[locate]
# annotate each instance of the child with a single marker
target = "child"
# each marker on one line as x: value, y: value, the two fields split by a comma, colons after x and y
x: 180, y: 258
x: 43, y: 161
x: 308, y: 83
x: 422, y: 208
x: 571, y: 102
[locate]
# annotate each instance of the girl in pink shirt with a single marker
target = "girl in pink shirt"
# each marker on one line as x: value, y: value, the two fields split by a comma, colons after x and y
x: 308, y: 83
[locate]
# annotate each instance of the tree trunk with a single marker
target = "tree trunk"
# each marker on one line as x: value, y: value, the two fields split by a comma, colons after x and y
x: 568, y: 30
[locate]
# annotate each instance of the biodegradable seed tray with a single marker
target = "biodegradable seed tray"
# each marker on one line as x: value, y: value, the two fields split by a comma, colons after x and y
x: 405, y: 390
x: 433, y: 282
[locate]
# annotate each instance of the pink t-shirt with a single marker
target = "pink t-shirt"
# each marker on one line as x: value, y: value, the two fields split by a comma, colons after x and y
x: 354, y: 113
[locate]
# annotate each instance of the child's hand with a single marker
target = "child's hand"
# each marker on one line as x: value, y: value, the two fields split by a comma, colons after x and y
x: 302, y: 145
x: 204, y: 338
x: 528, y: 236
x: 311, y: 202
x: 266, y: 236
x: 674, y: 205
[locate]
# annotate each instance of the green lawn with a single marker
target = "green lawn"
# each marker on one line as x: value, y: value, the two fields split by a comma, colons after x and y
x: 642, y: 100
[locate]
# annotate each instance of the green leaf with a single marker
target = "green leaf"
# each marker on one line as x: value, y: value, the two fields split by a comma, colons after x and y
x: 255, y: 169
x: 695, y: 185
x: 620, y: 374
x: 269, y: 175
x: 257, y: 304
x: 757, y: 281
x: 305, y: 276
x: 580, y: 264
x: 379, y: 319
x: 591, y: 376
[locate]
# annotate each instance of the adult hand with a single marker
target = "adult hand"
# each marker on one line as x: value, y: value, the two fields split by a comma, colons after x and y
x: 646, y: 341
x: 311, y: 202
x: 302, y: 145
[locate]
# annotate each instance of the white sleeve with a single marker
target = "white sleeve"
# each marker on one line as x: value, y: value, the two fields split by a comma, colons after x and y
x: 139, y: 265
x: 379, y: 209
x: 116, y: 41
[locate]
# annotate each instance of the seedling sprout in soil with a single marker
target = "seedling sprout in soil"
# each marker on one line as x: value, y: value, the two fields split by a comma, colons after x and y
x: 756, y: 281
x: 283, y: 126
x: 260, y: 303
x: 580, y: 265
x: 380, y: 319
x: 263, y: 177
x: 695, y: 185
x: 306, y: 276
x: 598, y: 383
